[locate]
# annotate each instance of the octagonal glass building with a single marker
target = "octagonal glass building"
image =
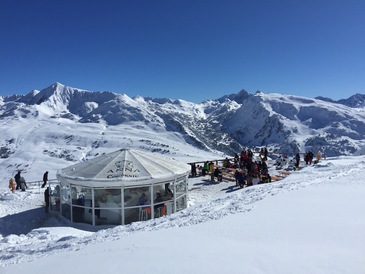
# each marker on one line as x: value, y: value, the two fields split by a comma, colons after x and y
x: 121, y: 187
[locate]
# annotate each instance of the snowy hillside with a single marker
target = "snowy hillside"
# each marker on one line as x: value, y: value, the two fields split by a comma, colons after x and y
x: 59, y: 125
x: 310, y: 222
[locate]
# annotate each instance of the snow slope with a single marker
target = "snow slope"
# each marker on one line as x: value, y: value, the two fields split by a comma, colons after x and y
x: 310, y: 222
x: 280, y: 121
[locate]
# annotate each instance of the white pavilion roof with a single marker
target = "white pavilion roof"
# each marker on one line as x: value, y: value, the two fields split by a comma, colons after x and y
x: 125, y: 165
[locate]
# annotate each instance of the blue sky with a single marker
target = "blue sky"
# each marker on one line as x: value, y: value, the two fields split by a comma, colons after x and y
x: 184, y: 49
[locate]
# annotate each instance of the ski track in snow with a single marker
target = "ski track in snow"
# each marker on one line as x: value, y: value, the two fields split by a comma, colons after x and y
x: 205, y: 205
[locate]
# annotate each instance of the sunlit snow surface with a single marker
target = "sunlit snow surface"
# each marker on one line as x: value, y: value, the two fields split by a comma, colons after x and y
x: 312, y: 221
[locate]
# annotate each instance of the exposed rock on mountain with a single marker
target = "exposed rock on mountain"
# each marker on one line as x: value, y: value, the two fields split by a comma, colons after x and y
x: 100, y: 120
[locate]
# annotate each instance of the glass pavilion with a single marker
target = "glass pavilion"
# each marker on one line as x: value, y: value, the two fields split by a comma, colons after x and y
x: 119, y: 188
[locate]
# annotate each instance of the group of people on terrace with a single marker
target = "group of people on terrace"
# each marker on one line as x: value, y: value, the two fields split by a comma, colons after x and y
x: 248, y: 170
x: 245, y: 169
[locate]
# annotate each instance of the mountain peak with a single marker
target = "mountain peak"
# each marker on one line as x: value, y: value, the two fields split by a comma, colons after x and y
x: 57, y: 85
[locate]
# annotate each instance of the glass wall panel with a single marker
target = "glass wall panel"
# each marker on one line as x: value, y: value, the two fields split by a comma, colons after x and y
x: 137, y: 214
x: 108, y: 198
x: 66, y: 211
x: 169, y: 187
x: 107, y: 206
x: 181, y: 203
x: 137, y: 203
x: 81, y: 198
x: 55, y: 197
x: 181, y: 187
x: 137, y: 196
x: 65, y: 193
x: 109, y: 217
x: 161, y: 197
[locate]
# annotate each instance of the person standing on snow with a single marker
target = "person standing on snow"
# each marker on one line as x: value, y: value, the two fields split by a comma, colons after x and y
x: 297, y: 159
x: 211, y: 170
x: 11, y: 185
x: 17, y: 180
x: 45, y: 179
x: 46, y: 199
x: 23, y: 184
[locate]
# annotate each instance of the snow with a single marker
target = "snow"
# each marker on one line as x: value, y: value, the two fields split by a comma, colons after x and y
x: 310, y: 222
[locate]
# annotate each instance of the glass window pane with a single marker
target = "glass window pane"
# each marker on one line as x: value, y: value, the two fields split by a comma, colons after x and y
x: 81, y: 195
x: 169, y: 187
x: 65, y: 192
x: 109, y: 217
x: 181, y: 187
x: 108, y: 198
x: 55, y: 199
x: 181, y: 203
x: 82, y: 215
x: 137, y: 196
x: 162, y: 198
x: 66, y: 211
x: 169, y: 207
x: 137, y: 214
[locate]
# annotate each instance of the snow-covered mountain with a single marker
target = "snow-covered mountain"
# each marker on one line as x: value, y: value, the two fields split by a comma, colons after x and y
x: 71, y: 124
x: 50, y: 129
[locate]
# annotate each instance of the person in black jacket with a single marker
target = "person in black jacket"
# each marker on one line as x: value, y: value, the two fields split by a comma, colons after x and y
x: 17, y: 180
x: 46, y: 198
x: 45, y: 179
x: 297, y: 159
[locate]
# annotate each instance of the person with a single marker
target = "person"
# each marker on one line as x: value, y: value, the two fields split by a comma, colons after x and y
x: 318, y: 156
x: 241, y: 179
x: 236, y: 173
x: 265, y: 154
x: 157, y: 200
x: 46, y: 199
x: 211, y: 170
x: 142, y: 200
x: 228, y: 163
x: 17, y: 180
x: 167, y: 189
x: 158, y: 205
x: 11, y: 185
x: 310, y: 157
x: 217, y: 173
x: 23, y: 184
x: 297, y: 160
x: 306, y: 158
x: 193, y: 170
x: 45, y: 179
x: 236, y: 161
x: 261, y: 154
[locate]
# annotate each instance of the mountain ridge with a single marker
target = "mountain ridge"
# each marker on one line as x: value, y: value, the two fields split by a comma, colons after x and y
x: 223, y: 126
